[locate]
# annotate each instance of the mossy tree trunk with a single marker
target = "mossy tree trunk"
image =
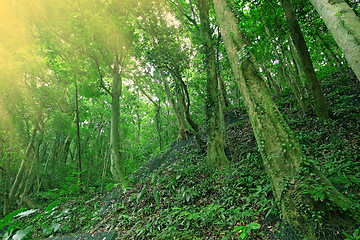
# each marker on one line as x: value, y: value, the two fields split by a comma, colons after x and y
x: 117, y: 166
x: 216, y: 157
x: 280, y: 151
x: 185, y: 99
x: 320, y: 107
x: 179, y: 115
x: 344, y: 26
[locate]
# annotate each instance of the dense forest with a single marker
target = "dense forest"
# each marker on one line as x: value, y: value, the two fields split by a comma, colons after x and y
x: 180, y: 119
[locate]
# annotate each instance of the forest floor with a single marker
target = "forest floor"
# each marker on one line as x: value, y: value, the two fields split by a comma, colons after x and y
x: 175, y: 196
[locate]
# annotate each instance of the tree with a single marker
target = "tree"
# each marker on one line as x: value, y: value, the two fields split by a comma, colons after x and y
x: 103, y: 34
x: 306, y: 63
x: 344, y: 26
x: 289, y: 173
x: 216, y: 157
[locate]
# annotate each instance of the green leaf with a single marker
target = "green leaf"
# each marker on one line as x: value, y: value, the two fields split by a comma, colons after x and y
x: 157, y: 197
x: 8, y: 217
x: 22, y: 233
x: 187, y: 196
x: 52, y: 205
x: 109, y: 186
x: 356, y: 233
x: 26, y: 213
x: 141, y: 193
x: 6, y: 236
x: 238, y: 228
x: 347, y: 235
x: 52, y: 228
x: 254, y: 225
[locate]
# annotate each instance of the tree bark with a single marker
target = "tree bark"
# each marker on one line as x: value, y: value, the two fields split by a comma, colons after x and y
x: 280, y: 151
x: 180, y: 118
x: 117, y: 166
x: 185, y: 95
x: 320, y: 107
x: 216, y: 157
x: 78, y: 129
x: 344, y: 26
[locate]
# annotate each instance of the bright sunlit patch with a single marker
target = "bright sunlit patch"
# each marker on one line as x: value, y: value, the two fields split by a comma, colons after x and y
x: 19, y: 62
x: 171, y: 20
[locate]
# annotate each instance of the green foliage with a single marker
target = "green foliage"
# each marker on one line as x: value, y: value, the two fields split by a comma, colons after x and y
x: 245, y: 230
x: 183, y: 200
x: 54, y: 219
x: 190, y: 202
x: 354, y: 236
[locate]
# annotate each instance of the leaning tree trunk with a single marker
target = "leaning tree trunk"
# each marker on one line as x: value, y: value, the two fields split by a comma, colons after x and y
x: 180, y: 116
x: 184, y: 94
x: 291, y: 177
x: 300, y: 45
x: 20, y: 175
x: 216, y: 157
x: 117, y: 166
x: 344, y: 26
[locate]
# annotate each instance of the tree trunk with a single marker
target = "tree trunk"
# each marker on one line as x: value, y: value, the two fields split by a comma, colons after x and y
x: 216, y: 157
x: 224, y: 93
x: 33, y: 169
x: 185, y: 95
x: 180, y: 118
x: 344, y: 26
x: 20, y: 174
x: 117, y: 166
x: 298, y: 67
x: 273, y: 86
x: 281, y: 153
x: 78, y: 130
x: 293, y: 79
x: 284, y: 71
x: 300, y: 45
x: 157, y: 122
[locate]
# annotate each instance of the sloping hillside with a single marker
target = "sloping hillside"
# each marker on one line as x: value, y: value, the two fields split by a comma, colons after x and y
x: 175, y: 196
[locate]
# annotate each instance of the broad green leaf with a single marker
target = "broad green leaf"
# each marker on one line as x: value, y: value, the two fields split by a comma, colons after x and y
x: 253, y: 225
x: 27, y: 213
x: 6, y: 236
x: 22, y: 233
x: 238, y: 228
x: 109, y: 186
x: 356, y: 233
x: 8, y: 217
x: 52, y: 205
x: 187, y: 196
x: 52, y: 228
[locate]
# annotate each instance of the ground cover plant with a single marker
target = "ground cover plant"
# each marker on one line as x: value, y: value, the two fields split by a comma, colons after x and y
x: 183, y: 199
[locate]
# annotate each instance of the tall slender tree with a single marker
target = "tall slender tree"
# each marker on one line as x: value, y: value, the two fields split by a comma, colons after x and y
x: 216, y: 157
x: 297, y: 37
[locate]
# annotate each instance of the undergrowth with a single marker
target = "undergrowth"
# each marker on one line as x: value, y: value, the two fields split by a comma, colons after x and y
x: 183, y: 199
